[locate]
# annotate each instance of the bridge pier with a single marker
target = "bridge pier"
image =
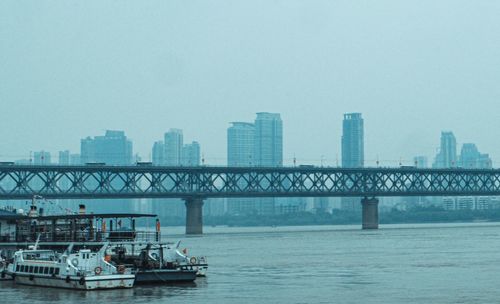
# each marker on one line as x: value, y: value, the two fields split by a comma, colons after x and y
x: 194, y: 215
x: 369, y: 207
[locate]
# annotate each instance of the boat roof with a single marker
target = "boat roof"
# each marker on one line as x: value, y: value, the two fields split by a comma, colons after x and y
x: 75, y: 216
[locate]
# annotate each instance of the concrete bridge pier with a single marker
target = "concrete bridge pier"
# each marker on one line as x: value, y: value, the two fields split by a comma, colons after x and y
x: 369, y: 207
x: 194, y: 215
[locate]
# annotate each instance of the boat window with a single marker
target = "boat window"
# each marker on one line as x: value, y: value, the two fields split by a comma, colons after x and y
x: 17, y: 268
x: 30, y: 269
x: 57, y: 270
x: 22, y: 268
x: 51, y: 270
x: 46, y: 270
x: 36, y: 269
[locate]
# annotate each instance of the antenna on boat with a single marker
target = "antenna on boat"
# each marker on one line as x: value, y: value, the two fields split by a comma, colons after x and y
x: 178, y: 244
x: 36, y: 243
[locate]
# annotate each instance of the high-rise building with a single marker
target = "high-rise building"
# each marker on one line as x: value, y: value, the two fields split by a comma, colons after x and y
x: 158, y: 153
x: 447, y: 156
x: 471, y: 158
x: 240, y: 144
x: 268, y: 140
x: 353, y: 155
x: 173, y: 147
x: 268, y: 147
x: 191, y: 154
x: 240, y: 153
x: 112, y: 149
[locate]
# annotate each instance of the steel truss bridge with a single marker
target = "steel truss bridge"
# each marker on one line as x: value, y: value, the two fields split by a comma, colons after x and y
x: 100, y: 181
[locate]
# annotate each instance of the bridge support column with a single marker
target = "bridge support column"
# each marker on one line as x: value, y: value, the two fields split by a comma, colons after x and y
x: 369, y: 207
x: 194, y: 215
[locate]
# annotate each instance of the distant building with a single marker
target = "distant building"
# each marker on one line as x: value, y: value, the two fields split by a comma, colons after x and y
x: 64, y: 158
x: 447, y: 156
x: 268, y: 140
x: 173, y: 147
x: 240, y: 153
x: 353, y: 154
x: 42, y: 158
x: 471, y: 158
x: 158, y: 153
x: 191, y: 154
x: 75, y: 159
x: 112, y: 149
x: 241, y: 144
x: 421, y: 162
x: 268, y: 148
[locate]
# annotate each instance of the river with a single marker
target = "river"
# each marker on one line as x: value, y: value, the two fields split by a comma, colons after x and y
x: 439, y: 263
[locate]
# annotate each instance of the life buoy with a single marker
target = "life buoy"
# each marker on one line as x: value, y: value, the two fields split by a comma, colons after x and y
x: 121, y: 269
x: 97, y: 270
x: 74, y: 262
x: 192, y: 260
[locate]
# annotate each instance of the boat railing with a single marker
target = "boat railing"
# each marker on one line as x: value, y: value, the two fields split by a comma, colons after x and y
x: 83, y: 236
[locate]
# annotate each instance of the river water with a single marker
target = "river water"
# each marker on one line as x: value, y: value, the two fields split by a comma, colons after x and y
x: 438, y: 263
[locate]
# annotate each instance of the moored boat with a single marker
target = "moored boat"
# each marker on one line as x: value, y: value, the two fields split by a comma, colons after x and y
x: 83, y: 269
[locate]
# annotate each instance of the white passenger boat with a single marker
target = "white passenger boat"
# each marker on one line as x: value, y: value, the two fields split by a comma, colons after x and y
x: 84, y: 269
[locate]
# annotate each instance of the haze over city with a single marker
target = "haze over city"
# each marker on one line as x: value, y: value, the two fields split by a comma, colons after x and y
x: 413, y: 69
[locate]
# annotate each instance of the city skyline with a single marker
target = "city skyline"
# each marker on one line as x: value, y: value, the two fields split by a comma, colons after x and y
x: 323, y: 160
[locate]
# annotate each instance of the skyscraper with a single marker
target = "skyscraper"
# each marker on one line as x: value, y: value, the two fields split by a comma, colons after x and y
x: 447, y: 156
x: 191, y: 154
x: 173, y: 147
x: 268, y: 147
x: 268, y: 140
x: 471, y: 158
x: 353, y: 153
x: 114, y: 148
x: 158, y: 153
x: 240, y: 144
x: 240, y: 153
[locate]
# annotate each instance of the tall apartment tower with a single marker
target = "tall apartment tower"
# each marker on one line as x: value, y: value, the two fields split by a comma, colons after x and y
x: 447, y: 156
x: 173, y: 147
x: 241, y: 144
x: 268, y: 147
x: 114, y: 148
x: 268, y: 140
x: 240, y: 153
x: 158, y: 153
x: 353, y: 153
x: 190, y: 154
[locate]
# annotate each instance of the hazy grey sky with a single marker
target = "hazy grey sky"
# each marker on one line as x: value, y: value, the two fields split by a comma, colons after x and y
x: 69, y: 69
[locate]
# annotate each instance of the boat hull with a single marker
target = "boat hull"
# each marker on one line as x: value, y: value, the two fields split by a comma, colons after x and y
x: 85, y: 283
x: 158, y: 276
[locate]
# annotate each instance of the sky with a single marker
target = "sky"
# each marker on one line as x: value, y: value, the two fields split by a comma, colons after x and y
x: 72, y: 69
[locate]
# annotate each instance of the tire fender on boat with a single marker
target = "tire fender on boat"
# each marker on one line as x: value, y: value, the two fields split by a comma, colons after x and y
x: 32, y: 277
x: 97, y: 270
x: 67, y: 279
x: 82, y: 281
x: 121, y: 269
x: 192, y: 260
